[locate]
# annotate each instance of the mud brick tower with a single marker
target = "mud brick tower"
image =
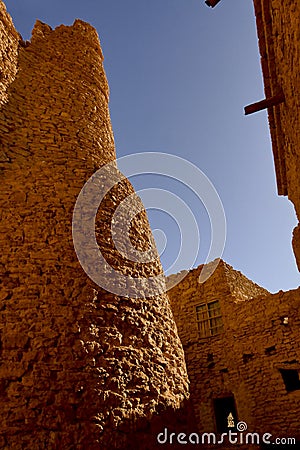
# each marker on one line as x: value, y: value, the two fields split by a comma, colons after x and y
x: 80, y: 367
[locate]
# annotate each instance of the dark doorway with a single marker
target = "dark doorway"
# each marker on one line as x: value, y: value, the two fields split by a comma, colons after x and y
x: 282, y: 446
x: 223, y: 407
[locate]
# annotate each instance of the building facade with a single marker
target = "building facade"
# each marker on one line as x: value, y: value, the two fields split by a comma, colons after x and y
x: 242, y: 351
x: 278, y: 25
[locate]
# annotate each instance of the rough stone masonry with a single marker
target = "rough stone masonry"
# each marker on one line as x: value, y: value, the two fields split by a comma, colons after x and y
x: 278, y: 27
x: 248, y: 360
x: 80, y: 367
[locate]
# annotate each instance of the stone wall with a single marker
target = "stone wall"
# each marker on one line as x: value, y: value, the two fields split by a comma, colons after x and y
x: 81, y: 367
x: 9, y: 47
x: 224, y: 283
x: 260, y: 338
x: 278, y: 25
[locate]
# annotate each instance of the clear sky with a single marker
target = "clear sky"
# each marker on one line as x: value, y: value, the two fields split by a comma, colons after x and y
x: 180, y: 74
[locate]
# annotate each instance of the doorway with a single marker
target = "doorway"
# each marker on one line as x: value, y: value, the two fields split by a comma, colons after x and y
x: 222, y: 409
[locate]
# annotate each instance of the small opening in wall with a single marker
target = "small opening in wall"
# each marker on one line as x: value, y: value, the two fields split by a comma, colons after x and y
x: 270, y: 350
x: 291, y: 379
x: 247, y: 357
x: 210, y: 357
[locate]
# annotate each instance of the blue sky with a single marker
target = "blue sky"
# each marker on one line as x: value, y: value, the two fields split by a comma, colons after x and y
x: 180, y: 74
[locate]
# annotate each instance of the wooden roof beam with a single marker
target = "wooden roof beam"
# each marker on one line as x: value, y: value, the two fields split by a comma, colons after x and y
x: 212, y: 3
x: 266, y: 103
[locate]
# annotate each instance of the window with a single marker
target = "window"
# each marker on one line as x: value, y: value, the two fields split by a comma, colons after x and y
x: 291, y: 379
x: 209, y: 319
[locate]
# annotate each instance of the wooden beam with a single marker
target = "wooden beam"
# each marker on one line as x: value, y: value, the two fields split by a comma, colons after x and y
x: 212, y: 3
x: 266, y: 103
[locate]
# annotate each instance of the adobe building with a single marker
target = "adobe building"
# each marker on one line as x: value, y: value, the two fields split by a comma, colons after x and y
x: 278, y: 25
x: 242, y: 344
x: 242, y: 350
x: 81, y: 367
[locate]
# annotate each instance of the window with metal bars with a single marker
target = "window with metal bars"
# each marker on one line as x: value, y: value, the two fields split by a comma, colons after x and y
x: 209, y: 319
